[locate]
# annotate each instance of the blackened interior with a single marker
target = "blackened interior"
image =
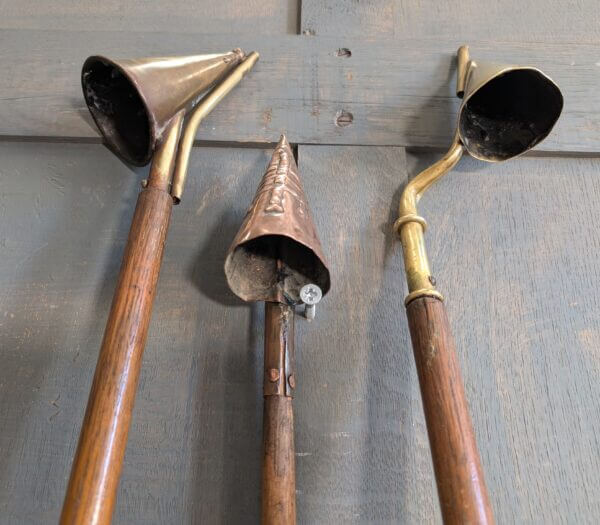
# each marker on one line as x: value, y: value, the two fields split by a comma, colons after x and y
x: 510, y: 114
x: 254, y: 273
x: 118, y: 110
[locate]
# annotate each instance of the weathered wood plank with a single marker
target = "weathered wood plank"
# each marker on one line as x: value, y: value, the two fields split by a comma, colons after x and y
x: 194, y: 450
x: 513, y: 21
x: 271, y: 17
x: 399, y: 92
x: 514, y: 249
x: 361, y: 435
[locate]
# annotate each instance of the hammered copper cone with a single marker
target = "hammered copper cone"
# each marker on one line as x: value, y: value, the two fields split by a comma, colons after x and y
x: 277, y: 250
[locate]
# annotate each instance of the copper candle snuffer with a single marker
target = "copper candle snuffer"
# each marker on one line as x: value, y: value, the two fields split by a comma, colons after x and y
x: 505, y: 111
x: 276, y: 257
x: 147, y: 110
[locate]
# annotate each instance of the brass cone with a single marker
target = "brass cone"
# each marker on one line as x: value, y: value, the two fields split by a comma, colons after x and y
x: 133, y: 100
x: 506, y: 110
x: 277, y: 251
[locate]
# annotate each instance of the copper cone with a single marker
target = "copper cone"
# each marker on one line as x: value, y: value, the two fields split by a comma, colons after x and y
x: 133, y: 100
x: 277, y: 251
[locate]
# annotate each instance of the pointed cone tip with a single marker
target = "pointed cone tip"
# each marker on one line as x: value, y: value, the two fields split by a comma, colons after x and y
x: 283, y: 141
x: 277, y: 249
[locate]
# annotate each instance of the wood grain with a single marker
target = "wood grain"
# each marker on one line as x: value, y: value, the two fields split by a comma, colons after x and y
x: 460, y: 480
x: 509, y: 21
x: 517, y: 242
x: 96, y: 470
x: 274, y: 17
x: 278, y: 462
x: 513, y: 249
x: 278, y: 470
x: 398, y: 92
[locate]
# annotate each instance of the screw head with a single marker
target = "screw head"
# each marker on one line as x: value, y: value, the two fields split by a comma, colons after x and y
x: 273, y: 375
x: 292, y: 381
x: 310, y: 294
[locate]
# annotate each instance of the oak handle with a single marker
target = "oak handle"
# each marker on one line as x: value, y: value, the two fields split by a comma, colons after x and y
x: 279, y: 460
x: 91, y: 493
x: 279, y: 465
x: 461, y: 486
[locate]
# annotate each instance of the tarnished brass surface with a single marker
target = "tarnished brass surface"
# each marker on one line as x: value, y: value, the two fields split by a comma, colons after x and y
x: 506, y: 111
x: 163, y: 160
x: 204, y: 107
x: 277, y: 251
x: 140, y: 106
x: 134, y: 100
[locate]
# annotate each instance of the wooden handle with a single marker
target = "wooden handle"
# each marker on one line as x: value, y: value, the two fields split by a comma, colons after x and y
x: 279, y: 462
x: 461, y: 487
x: 92, y: 488
x: 279, y: 465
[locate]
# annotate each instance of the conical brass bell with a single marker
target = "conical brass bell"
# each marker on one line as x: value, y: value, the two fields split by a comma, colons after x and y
x: 506, y: 110
x: 134, y: 100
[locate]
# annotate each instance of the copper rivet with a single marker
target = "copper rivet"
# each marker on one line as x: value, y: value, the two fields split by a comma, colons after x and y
x: 273, y: 375
x: 292, y: 381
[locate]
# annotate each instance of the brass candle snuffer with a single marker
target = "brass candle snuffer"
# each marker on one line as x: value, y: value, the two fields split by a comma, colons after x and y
x: 276, y: 257
x: 147, y: 110
x: 506, y: 110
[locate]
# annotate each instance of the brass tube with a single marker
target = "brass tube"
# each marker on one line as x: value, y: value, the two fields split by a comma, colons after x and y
x: 204, y: 107
x: 411, y: 226
x: 163, y: 160
x: 463, y: 63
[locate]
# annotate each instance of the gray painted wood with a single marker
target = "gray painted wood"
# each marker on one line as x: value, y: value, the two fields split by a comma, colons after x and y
x: 361, y: 434
x: 194, y: 449
x: 514, y: 21
x: 514, y: 249
x: 399, y: 92
x: 273, y: 17
x: 517, y: 267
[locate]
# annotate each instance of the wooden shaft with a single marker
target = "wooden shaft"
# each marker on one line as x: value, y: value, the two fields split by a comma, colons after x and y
x: 461, y: 486
x: 279, y: 464
x: 96, y: 469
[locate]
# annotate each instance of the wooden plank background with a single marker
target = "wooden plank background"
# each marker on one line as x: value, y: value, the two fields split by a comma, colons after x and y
x: 512, y: 21
x: 399, y: 92
x: 514, y: 248
x: 273, y: 17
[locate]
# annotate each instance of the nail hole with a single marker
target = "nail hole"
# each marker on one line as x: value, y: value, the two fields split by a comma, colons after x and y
x: 343, y: 118
x: 344, y: 52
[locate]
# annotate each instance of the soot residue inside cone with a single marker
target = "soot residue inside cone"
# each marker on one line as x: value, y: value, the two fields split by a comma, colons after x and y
x: 118, y: 110
x: 510, y: 114
x: 274, y: 267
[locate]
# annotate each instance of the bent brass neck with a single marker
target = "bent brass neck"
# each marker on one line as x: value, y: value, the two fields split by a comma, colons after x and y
x: 170, y: 162
x: 411, y: 226
x: 506, y: 110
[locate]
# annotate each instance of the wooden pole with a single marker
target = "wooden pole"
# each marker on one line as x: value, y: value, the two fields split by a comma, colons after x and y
x: 279, y: 465
x: 461, y: 486
x: 92, y: 488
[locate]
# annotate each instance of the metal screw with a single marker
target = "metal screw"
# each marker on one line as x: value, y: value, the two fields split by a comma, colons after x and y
x: 310, y: 294
x: 145, y: 183
x: 292, y: 381
x: 273, y: 375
